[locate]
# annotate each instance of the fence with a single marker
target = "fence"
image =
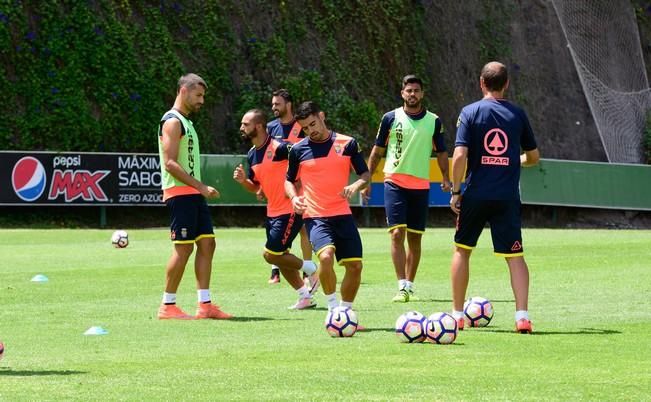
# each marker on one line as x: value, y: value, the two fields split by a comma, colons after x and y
x: 109, y: 179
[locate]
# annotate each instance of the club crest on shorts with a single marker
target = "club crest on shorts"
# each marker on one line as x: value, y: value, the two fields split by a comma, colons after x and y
x: 184, y: 233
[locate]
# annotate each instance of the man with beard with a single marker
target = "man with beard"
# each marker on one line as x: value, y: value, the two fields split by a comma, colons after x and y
x: 267, y: 167
x: 285, y: 128
x: 323, y: 162
x: 407, y: 136
x: 185, y: 196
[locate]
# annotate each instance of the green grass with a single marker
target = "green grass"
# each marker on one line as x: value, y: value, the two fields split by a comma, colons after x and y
x: 590, y: 303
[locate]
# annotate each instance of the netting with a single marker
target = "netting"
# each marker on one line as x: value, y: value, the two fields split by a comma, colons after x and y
x: 603, y: 39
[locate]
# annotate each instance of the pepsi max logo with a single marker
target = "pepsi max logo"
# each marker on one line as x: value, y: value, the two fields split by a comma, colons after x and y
x: 28, y: 179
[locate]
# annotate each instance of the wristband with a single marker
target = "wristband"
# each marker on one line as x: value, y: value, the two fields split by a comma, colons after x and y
x: 456, y: 192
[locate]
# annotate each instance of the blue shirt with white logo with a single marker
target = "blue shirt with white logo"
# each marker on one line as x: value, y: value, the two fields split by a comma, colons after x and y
x: 494, y: 130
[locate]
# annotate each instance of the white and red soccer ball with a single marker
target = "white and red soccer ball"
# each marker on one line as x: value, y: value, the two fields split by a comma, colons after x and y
x: 341, y: 322
x: 120, y: 239
x: 410, y: 327
x: 441, y: 328
x: 478, y: 311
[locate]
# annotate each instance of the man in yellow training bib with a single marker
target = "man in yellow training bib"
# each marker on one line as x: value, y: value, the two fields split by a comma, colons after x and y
x: 407, y: 136
x: 185, y: 196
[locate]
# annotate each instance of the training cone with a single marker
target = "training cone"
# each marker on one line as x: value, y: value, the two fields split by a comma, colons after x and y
x: 40, y: 278
x: 96, y: 331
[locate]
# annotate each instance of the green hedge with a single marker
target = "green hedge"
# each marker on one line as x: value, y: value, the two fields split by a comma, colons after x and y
x: 97, y: 75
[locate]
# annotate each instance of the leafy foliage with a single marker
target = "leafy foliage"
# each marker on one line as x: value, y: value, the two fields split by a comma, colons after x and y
x: 97, y: 75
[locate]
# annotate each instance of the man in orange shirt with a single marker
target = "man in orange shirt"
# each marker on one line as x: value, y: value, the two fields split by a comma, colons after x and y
x: 267, y: 168
x: 322, y: 162
x: 285, y: 128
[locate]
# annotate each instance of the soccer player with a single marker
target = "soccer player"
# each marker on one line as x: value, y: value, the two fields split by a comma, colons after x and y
x: 267, y: 168
x: 490, y: 134
x: 407, y: 136
x: 285, y: 128
x: 185, y: 196
x: 323, y: 162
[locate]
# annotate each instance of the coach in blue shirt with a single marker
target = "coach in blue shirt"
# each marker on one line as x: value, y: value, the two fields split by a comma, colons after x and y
x: 490, y: 136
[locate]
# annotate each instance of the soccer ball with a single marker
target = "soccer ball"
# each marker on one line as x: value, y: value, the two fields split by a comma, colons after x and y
x: 441, y: 328
x: 478, y: 311
x: 410, y: 327
x: 120, y: 239
x: 2, y: 350
x: 341, y: 322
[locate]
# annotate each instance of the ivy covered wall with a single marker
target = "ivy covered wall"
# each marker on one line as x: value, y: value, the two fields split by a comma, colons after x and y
x: 96, y: 75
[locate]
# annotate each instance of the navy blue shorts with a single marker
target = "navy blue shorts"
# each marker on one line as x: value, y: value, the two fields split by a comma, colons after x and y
x: 190, y: 218
x: 281, y: 232
x: 405, y: 207
x: 339, y: 232
x: 505, y: 223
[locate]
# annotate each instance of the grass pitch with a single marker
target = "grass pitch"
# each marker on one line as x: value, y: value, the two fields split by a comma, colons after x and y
x: 590, y: 304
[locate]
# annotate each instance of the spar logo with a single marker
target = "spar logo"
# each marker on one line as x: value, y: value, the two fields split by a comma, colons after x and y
x: 28, y: 178
x: 496, y: 143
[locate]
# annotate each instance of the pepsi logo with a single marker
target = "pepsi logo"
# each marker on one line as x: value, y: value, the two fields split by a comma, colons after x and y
x: 28, y: 178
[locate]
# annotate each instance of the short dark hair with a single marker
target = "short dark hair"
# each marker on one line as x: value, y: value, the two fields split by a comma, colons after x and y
x: 283, y: 93
x: 306, y: 109
x: 411, y: 79
x: 259, y: 117
x: 494, y: 75
x: 190, y: 81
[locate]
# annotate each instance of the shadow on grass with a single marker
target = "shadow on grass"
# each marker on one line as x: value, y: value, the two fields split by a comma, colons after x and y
x: 34, y: 373
x: 579, y: 331
x: 250, y: 319
x: 427, y: 300
x: 367, y: 329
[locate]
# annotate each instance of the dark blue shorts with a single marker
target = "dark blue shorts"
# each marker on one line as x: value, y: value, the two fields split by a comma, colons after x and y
x: 505, y: 223
x: 339, y: 232
x: 281, y: 232
x: 190, y: 218
x: 405, y: 207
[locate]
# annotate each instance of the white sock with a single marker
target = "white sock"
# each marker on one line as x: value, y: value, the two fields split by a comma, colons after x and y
x: 520, y: 314
x: 346, y: 304
x: 402, y: 284
x: 332, y: 300
x: 457, y: 315
x: 309, y: 267
x: 169, y: 298
x: 204, y: 295
x: 275, y: 267
x: 409, y: 285
x: 303, y: 292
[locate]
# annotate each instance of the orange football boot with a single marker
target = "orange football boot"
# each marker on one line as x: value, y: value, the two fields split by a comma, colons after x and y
x: 523, y: 326
x: 211, y: 311
x: 172, y: 312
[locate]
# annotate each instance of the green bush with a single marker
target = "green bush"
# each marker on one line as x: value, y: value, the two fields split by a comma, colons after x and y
x: 97, y: 75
